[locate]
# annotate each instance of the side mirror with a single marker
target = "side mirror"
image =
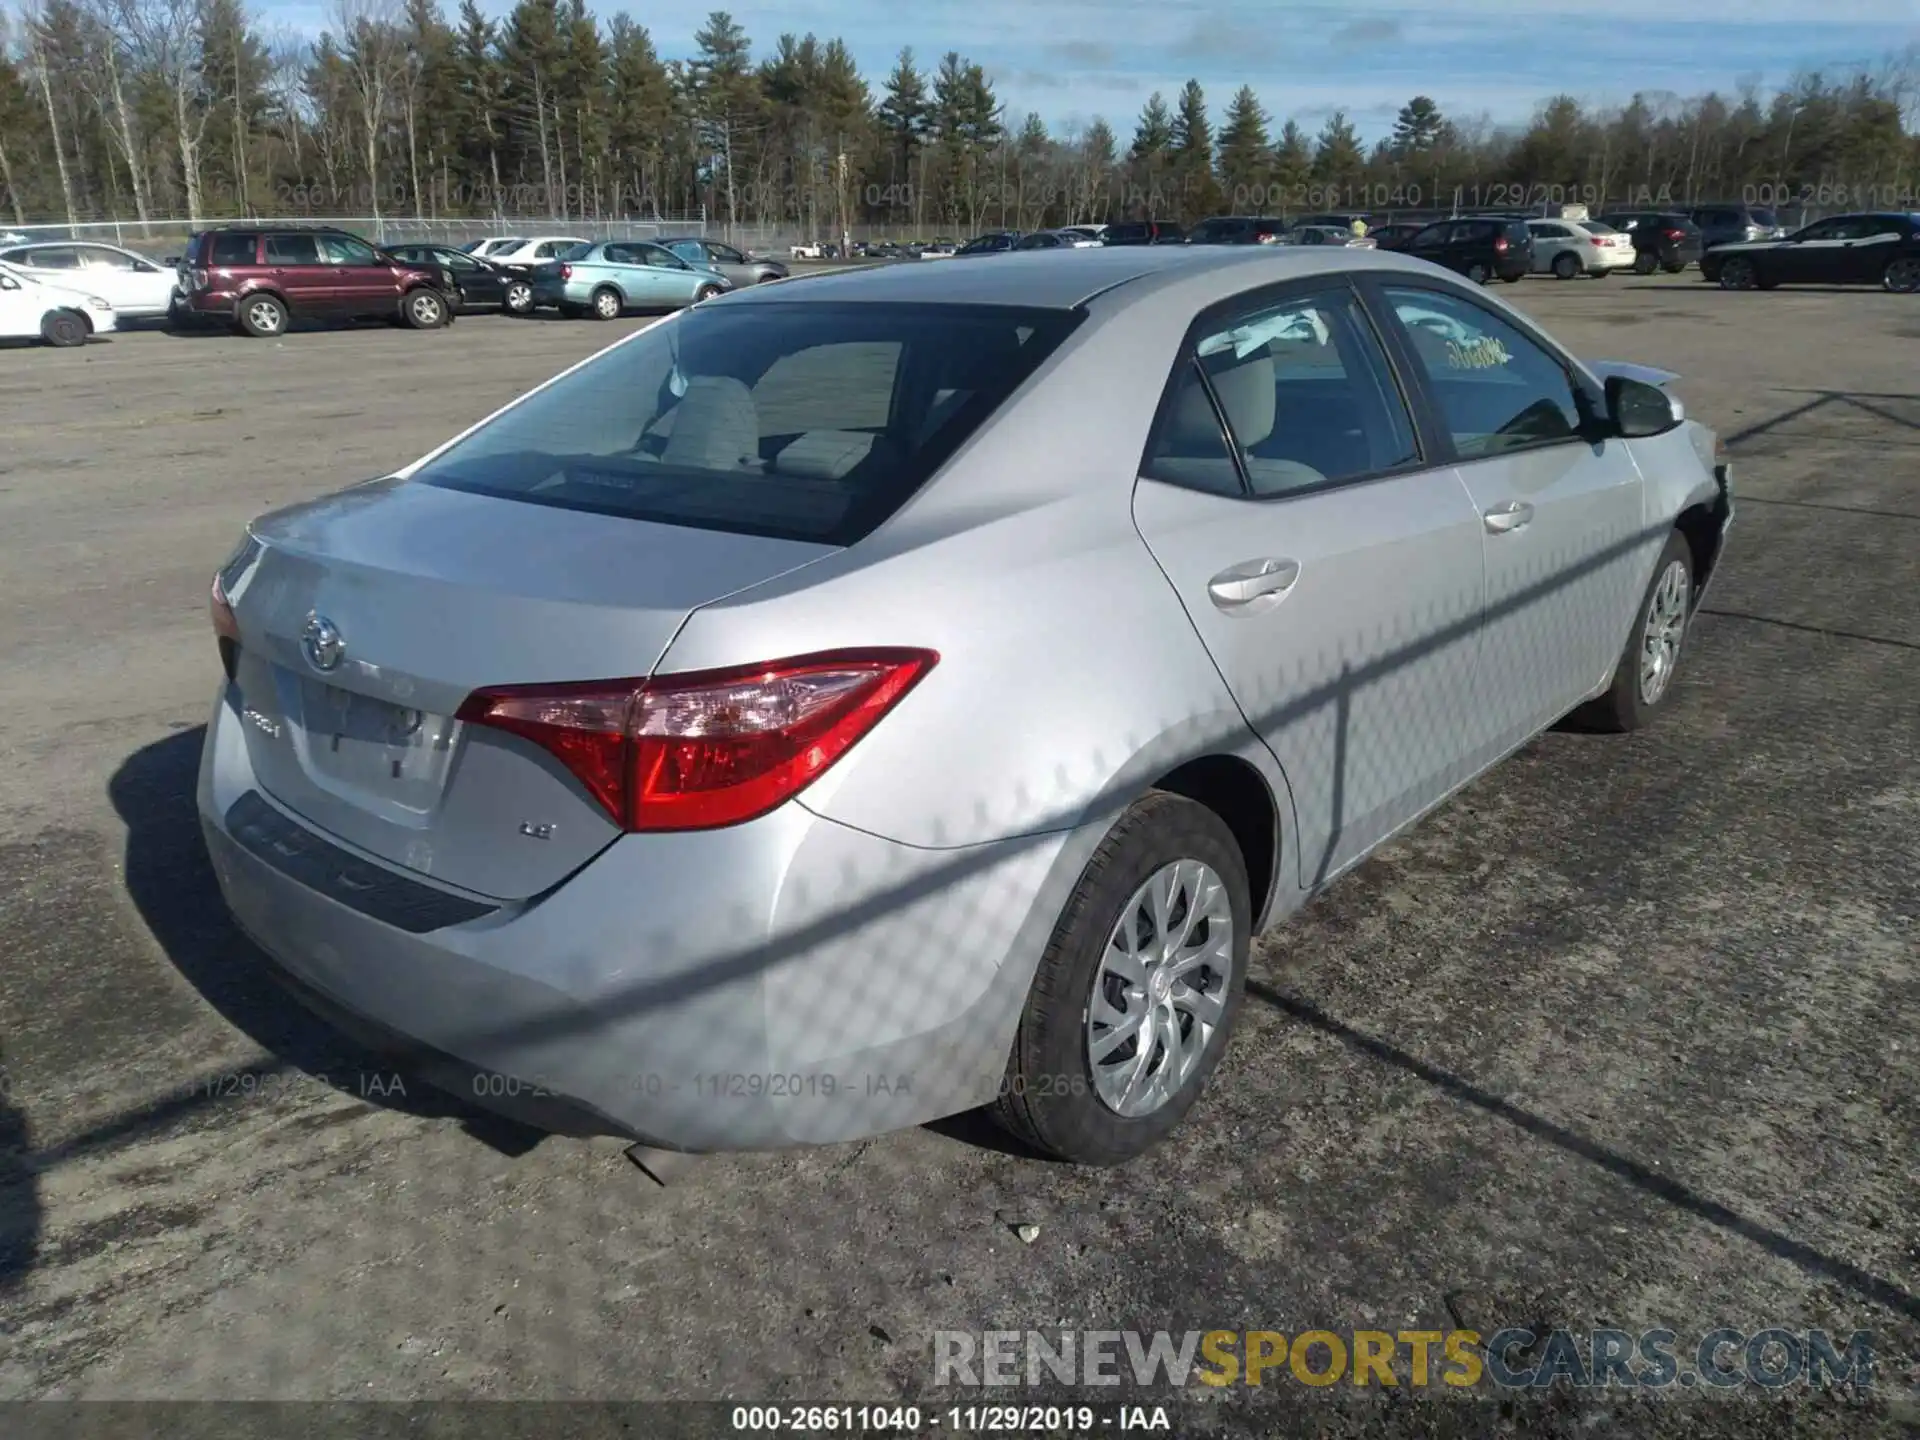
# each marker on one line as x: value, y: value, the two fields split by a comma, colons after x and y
x: 1636, y: 410
x: 7, y: 282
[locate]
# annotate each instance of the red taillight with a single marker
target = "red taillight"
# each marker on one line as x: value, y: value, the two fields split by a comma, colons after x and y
x: 710, y: 748
x: 225, y: 628
x: 1500, y: 243
x: 566, y: 272
x: 1598, y: 242
x: 1676, y: 234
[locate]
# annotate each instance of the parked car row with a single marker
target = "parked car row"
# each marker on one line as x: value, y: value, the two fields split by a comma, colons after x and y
x: 260, y: 278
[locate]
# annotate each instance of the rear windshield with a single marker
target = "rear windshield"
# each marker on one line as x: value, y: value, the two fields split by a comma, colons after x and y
x: 801, y: 421
x: 1763, y: 217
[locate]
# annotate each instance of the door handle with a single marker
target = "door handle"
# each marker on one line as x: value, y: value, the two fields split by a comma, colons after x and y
x: 1509, y: 516
x: 1240, y: 585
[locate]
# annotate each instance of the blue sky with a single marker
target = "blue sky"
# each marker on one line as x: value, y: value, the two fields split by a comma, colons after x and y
x: 1071, y: 60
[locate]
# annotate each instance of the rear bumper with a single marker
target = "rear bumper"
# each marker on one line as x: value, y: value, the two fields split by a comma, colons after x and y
x: 787, y: 981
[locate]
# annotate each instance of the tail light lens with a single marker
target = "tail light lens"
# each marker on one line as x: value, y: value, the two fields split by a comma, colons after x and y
x: 1676, y: 234
x: 1500, y: 244
x: 201, y: 279
x: 1599, y: 242
x: 710, y: 748
x: 225, y: 628
x: 566, y: 272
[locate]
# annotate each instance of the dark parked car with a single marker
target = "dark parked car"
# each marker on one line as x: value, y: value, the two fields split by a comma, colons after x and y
x: 1871, y: 249
x: 1662, y: 239
x: 1143, y: 232
x: 997, y: 242
x: 470, y: 282
x: 1735, y: 224
x: 1396, y: 235
x: 1238, y: 230
x: 1482, y: 248
x: 261, y: 278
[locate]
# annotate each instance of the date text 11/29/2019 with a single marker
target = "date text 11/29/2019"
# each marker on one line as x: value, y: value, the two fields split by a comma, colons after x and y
x: 905, y: 1420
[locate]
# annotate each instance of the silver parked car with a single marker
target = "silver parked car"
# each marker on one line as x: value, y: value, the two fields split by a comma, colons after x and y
x: 833, y: 708
x: 739, y: 266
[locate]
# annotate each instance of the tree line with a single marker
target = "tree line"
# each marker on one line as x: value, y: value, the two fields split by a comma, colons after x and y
x: 139, y: 109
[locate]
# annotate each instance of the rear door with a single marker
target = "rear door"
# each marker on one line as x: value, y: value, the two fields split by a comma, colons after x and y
x: 295, y: 267
x: 1560, y: 516
x: 1333, y: 572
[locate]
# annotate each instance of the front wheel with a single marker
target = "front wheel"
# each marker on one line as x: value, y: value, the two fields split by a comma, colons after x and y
x: 1737, y: 273
x: 425, y: 310
x: 1565, y: 267
x: 519, y: 298
x: 63, y: 329
x: 1137, y: 993
x: 1903, y: 275
x: 1643, y: 678
x: 707, y: 292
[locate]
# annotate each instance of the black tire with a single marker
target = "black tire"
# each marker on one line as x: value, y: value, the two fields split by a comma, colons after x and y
x: 262, y: 316
x: 1645, y: 263
x: 64, y: 329
x: 425, y: 309
x: 518, y: 298
x: 1565, y: 267
x: 606, y: 304
x: 1477, y: 273
x: 1674, y: 269
x: 1902, y: 275
x: 1625, y: 705
x: 707, y: 292
x: 1737, y: 273
x: 1514, y: 279
x: 1048, y: 1097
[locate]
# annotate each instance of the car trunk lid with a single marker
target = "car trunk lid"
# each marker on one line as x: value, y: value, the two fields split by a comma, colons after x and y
x: 367, y: 617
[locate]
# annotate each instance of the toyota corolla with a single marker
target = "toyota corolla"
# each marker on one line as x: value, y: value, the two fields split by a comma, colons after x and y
x: 839, y: 706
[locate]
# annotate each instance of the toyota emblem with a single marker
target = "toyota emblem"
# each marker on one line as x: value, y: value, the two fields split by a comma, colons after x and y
x: 321, y: 642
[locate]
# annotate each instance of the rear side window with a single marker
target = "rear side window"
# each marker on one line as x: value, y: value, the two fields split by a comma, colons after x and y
x: 810, y: 422
x: 233, y: 249
x: 292, y: 250
x: 1307, y: 396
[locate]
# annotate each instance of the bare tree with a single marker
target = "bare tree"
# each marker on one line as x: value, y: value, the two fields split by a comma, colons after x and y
x: 164, y: 37
x: 107, y: 86
x: 287, y: 57
x: 41, y: 58
x: 375, y: 53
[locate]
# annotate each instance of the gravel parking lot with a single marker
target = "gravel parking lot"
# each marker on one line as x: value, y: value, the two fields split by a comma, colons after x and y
x: 1627, y: 1035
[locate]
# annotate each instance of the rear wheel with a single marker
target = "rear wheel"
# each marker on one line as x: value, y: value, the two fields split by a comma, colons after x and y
x: 1137, y: 993
x: 63, y: 329
x: 1645, y: 263
x: 706, y: 292
x: 1903, y: 275
x: 519, y: 298
x: 263, y: 315
x: 1477, y: 273
x: 1737, y: 273
x: 606, y: 303
x: 424, y: 309
x: 1565, y: 267
x: 1643, y: 679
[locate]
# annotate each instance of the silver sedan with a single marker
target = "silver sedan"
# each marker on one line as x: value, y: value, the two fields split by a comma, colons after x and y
x: 832, y: 708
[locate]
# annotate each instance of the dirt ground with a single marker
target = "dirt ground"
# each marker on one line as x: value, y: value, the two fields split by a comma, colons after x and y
x: 1628, y: 1034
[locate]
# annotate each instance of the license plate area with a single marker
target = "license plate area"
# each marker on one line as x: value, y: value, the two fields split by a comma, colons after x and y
x: 373, y: 751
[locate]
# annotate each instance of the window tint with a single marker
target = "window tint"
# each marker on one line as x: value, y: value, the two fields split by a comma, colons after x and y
x: 1307, y: 395
x: 620, y: 255
x: 1188, y: 446
x: 54, y: 257
x: 658, y: 255
x: 810, y: 421
x: 231, y: 249
x: 1764, y: 217
x: 98, y: 257
x: 548, y: 249
x: 1548, y: 231
x: 1496, y: 388
x: 1433, y: 234
x: 345, y: 250
x: 725, y: 254
x: 292, y: 250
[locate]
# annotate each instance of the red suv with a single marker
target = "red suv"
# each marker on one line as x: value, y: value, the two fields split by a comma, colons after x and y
x: 260, y: 278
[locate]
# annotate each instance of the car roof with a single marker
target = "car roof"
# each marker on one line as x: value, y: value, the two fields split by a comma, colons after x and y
x: 1051, y: 280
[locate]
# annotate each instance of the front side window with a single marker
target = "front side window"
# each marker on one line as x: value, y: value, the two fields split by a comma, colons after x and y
x: 660, y: 257
x: 345, y: 250
x: 98, y: 257
x: 1308, y: 398
x: 806, y: 421
x: 1496, y: 388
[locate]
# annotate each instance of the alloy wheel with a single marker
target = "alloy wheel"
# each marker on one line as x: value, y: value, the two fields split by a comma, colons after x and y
x: 1159, y: 994
x: 1903, y: 275
x: 264, y: 316
x: 1665, y: 628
